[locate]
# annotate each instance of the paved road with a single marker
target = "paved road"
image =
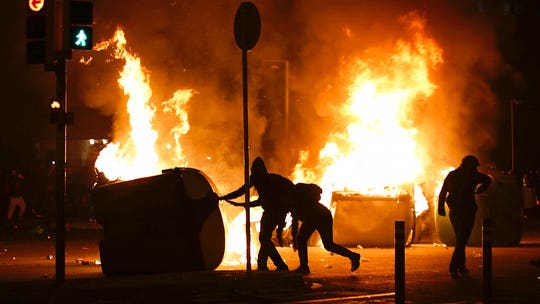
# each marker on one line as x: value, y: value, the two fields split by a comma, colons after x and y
x: 27, y: 276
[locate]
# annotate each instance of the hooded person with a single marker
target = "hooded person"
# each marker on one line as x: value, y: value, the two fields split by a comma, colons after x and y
x: 458, y: 191
x: 275, y: 193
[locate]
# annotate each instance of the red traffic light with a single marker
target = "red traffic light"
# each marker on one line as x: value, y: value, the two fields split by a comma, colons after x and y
x: 36, y: 5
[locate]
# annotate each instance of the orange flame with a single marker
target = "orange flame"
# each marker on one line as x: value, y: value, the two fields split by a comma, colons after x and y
x: 135, y: 152
x: 139, y: 154
x: 378, y: 152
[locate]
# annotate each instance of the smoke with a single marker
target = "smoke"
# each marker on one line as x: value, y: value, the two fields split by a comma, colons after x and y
x: 190, y: 45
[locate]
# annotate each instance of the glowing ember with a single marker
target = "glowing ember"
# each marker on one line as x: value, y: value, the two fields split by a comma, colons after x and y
x: 378, y: 152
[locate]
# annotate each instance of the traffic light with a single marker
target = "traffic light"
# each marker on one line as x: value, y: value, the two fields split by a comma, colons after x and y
x: 36, y: 32
x: 58, y: 115
x: 57, y: 112
x: 81, y: 19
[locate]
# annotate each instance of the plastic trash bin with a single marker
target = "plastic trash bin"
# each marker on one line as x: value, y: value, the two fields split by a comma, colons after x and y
x: 162, y: 223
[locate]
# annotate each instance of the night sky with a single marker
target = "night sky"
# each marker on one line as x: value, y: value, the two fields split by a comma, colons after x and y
x: 492, y: 47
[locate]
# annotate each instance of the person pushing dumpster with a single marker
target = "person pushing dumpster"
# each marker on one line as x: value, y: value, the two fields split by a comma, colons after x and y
x: 275, y: 194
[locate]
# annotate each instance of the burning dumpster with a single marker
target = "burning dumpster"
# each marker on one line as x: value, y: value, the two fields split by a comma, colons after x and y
x: 369, y: 220
x: 163, y: 223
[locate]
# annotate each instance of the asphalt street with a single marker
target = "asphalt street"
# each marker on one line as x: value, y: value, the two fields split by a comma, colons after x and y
x: 27, y: 275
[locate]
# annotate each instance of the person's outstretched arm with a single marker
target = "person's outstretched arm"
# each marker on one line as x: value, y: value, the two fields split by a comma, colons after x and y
x: 236, y: 193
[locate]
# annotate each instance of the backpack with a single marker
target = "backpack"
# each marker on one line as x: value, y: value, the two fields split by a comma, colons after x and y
x: 307, y: 192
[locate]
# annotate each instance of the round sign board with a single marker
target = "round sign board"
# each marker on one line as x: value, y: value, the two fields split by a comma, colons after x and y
x: 247, y: 26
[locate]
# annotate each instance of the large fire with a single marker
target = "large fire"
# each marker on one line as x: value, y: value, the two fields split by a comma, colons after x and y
x: 376, y: 153
x: 135, y: 152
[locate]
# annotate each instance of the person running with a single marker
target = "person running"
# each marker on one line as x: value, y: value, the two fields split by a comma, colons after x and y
x: 314, y: 216
x: 458, y: 192
x: 274, y: 193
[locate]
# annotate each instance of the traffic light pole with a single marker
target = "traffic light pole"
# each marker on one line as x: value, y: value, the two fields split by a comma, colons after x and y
x: 78, y: 15
x: 60, y: 173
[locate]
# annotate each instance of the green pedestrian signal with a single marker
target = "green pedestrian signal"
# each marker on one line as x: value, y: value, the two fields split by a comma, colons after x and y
x: 81, y: 20
x: 81, y: 37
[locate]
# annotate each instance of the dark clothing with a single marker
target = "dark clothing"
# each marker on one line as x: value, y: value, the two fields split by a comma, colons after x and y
x: 318, y: 218
x: 273, y: 190
x: 274, y: 197
x: 458, y: 191
x: 15, y: 185
x: 314, y: 216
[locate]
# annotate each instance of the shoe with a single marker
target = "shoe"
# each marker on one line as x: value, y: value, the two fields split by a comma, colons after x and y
x: 282, y: 268
x: 355, y: 261
x: 303, y: 270
x: 454, y: 274
x: 464, y: 271
x: 262, y: 268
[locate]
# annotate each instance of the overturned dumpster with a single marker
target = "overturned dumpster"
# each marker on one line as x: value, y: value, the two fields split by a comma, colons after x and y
x: 165, y: 223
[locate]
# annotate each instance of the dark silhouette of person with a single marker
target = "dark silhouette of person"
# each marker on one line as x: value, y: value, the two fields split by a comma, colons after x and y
x: 16, y: 195
x: 458, y: 192
x: 275, y: 193
x: 314, y: 216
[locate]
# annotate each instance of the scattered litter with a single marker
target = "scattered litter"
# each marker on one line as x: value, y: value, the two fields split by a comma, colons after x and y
x: 477, y: 254
x: 84, y: 248
x: 316, y: 286
x: 82, y: 261
x: 327, y: 266
x: 13, y: 258
x: 38, y: 230
x: 87, y: 262
x: 359, y: 247
x: 50, y: 257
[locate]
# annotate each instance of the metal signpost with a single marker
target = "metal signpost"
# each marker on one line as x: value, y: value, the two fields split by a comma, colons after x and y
x: 247, y: 27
